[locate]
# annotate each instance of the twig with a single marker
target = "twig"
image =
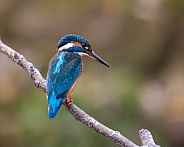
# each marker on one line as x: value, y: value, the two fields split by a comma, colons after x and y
x: 147, y: 138
x: 80, y: 115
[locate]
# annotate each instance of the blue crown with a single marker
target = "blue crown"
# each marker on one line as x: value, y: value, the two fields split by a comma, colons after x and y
x: 72, y: 38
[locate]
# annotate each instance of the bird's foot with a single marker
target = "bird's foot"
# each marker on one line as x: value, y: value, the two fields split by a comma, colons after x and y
x: 70, y: 100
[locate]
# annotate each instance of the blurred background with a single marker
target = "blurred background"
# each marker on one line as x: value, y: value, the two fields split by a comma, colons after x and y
x: 143, y: 42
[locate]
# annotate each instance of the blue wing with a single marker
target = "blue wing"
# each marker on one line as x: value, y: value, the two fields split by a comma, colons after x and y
x: 64, y: 69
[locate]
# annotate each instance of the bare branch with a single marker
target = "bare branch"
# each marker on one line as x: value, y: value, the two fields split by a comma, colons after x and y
x: 32, y: 72
x: 80, y: 115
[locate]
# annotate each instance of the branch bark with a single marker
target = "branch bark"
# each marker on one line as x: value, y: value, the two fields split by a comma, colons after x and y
x: 80, y: 115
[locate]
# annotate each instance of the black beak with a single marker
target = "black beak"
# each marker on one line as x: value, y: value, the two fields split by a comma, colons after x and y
x: 94, y: 56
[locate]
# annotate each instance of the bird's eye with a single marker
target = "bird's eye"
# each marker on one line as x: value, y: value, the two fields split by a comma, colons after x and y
x: 88, y: 48
x: 83, y: 45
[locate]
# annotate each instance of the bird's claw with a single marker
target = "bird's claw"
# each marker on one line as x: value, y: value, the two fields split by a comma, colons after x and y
x: 70, y: 100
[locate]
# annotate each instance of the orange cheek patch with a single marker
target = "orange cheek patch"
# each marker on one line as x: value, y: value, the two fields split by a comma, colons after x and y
x: 76, y: 44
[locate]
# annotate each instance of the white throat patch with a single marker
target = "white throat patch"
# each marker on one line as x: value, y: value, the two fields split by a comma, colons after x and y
x: 82, y: 54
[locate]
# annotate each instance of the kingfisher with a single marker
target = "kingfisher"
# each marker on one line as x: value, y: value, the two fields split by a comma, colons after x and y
x: 65, y: 69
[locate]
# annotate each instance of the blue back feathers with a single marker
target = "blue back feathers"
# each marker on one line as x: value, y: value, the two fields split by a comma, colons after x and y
x: 64, y: 68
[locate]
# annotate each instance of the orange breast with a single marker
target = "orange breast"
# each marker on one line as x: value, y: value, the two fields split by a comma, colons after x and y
x: 74, y: 85
x: 72, y: 88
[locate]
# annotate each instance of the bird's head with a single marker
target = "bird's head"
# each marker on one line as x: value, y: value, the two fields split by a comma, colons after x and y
x: 77, y: 44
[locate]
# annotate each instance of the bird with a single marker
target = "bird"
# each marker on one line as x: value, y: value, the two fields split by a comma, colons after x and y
x: 65, y: 69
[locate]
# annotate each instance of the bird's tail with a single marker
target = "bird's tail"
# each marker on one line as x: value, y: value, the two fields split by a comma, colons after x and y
x: 53, y: 104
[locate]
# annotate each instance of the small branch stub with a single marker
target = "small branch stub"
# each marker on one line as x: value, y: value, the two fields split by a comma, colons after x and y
x: 147, y: 138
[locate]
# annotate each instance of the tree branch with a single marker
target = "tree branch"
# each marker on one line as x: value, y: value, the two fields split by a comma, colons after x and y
x: 80, y: 115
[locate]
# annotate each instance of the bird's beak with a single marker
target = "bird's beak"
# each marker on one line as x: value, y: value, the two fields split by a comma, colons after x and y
x: 94, y: 56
